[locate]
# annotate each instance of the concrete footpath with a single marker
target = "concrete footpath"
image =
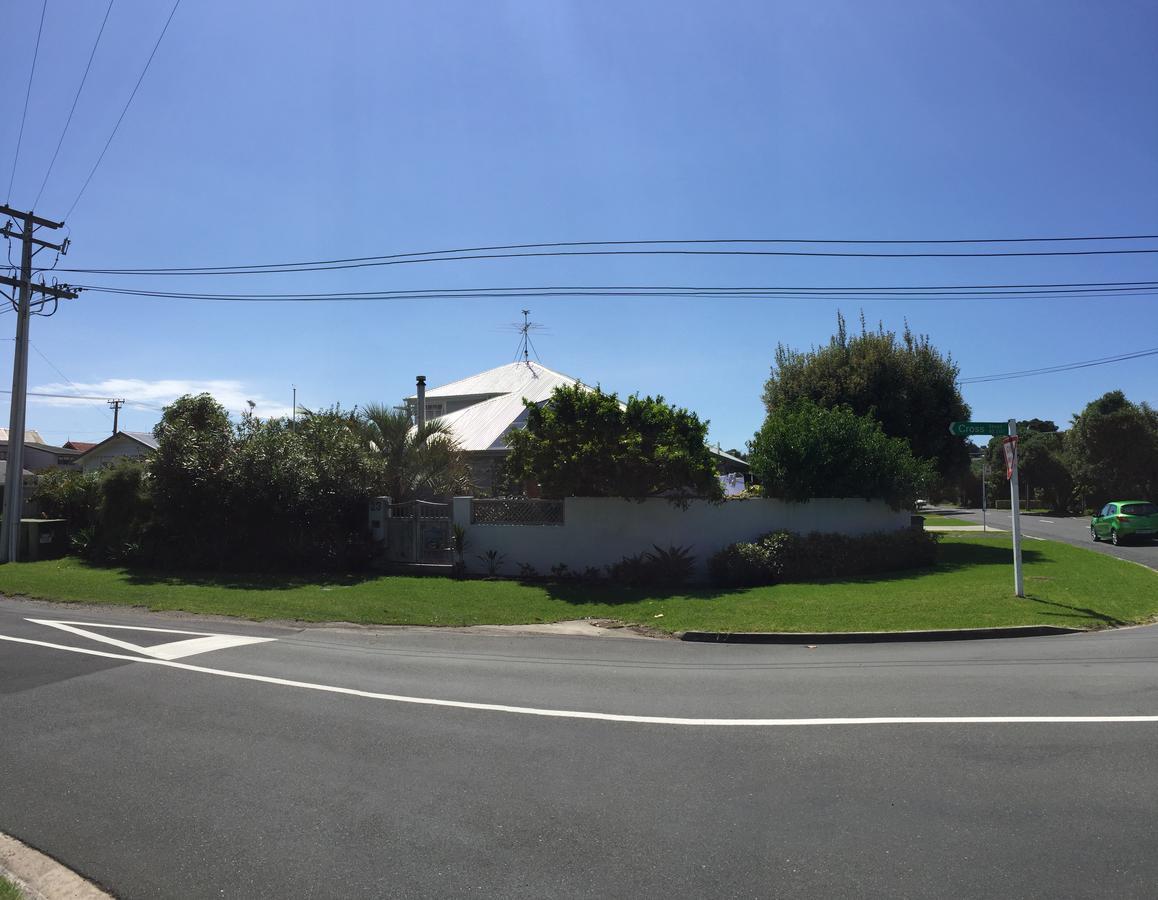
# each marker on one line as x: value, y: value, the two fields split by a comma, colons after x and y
x: 41, y: 877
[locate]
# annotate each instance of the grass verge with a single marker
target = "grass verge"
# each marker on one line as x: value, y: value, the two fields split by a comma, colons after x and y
x: 971, y: 586
x: 947, y: 520
x: 9, y: 891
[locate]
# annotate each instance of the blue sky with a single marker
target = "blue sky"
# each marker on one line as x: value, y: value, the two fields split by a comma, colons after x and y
x: 276, y: 132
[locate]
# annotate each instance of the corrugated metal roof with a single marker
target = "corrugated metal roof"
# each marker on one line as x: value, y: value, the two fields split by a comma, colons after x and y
x: 528, y: 379
x: 482, y: 425
x: 144, y: 437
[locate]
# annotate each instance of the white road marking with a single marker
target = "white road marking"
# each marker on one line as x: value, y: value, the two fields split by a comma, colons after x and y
x: 603, y: 717
x: 1046, y: 522
x: 202, y: 642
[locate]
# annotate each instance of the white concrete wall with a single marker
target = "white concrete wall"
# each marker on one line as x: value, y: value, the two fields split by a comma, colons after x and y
x: 601, y: 531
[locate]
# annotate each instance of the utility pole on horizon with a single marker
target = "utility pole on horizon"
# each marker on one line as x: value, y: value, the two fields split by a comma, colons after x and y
x: 116, y: 407
x: 23, y: 304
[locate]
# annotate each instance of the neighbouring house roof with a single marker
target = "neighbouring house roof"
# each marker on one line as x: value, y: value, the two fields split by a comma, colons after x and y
x: 499, y: 406
x: 527, y: 379
x: 82, y: 446
x: 723, y: 454
x: 30, y: 436
x: 140, y: 437
x: 52, y: 448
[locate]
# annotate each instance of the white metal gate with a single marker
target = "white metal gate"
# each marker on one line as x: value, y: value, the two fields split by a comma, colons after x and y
x: 418, y: 531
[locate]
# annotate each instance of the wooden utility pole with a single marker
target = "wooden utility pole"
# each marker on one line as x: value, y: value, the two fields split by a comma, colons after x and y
x: 23, y: 304
x: 116, y: 407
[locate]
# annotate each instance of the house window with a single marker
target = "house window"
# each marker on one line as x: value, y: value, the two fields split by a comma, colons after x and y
x: 433, y: 410
x: 3, y: 454
x: 65, y: 460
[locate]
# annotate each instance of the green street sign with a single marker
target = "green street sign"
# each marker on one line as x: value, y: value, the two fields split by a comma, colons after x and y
x: 961, y: 429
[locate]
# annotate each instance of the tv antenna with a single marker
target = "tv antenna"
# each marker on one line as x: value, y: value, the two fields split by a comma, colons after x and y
x: 526, y: 345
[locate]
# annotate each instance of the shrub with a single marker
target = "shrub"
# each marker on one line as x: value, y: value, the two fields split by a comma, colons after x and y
x: 806, y: 450
x: 663, y: 568
x: 784, y: 556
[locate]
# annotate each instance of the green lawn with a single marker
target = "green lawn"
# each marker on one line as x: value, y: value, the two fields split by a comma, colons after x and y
x: 947, y: 520
x: 971, y: 586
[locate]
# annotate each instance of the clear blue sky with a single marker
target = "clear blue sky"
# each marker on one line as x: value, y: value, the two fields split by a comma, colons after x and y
x: 299, y: 130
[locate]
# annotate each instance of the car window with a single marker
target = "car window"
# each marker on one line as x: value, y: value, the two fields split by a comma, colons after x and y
x: 1139, y: 509
x: 1111, y: 509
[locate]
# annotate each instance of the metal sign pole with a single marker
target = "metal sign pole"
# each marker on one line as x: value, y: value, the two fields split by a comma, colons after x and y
x: 984, y: 499
x: 1018, y: 582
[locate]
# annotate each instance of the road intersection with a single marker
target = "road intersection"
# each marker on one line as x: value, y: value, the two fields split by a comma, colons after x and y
x: 164, y: 778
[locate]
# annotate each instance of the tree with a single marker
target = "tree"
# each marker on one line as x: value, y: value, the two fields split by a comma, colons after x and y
x: 586, y: 443
x: 1113, y: 450
x: 806, y: 450
x: 195, y: 440
x: 907, y: 385
x: 416, y: 460
x: 1042, y: 464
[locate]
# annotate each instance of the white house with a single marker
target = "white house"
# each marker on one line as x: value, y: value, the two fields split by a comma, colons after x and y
x: 122, y: 445
x: 481, y: 410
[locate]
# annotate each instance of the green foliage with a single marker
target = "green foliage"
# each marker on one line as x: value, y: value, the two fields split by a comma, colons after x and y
x: 195, y: 438
x: 585, y: 443
x: 805, y: 450
x: 905, y: 384
x: 783, y: 556
x: 71, y: 495
x: 493, y: 560
x: 662, y: 568
x: 296, y: 496
x: 416, y: 462
x: 1113, y: 450
x: 125, y: 514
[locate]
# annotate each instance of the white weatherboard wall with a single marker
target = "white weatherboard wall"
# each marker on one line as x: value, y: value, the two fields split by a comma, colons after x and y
x: 600, y: 531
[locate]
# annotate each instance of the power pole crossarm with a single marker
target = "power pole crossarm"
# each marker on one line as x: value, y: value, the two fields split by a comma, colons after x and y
x: 60, y: 291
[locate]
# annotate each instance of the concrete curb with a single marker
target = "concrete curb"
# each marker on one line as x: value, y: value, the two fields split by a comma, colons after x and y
x: 41, y: 877
x: 874, y: 637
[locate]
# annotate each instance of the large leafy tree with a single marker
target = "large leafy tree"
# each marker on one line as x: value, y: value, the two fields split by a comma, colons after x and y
x: 1113, y: 450
x: 806, y: 450
x: 415, y: 460
x: 904, y: 383
x: 586, y: 443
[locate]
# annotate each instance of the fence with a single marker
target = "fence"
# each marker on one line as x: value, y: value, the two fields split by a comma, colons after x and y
x: 598, y: 531
x: 516, y: 511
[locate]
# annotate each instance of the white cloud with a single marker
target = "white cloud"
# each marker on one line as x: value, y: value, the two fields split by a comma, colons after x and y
x: 141, y: 394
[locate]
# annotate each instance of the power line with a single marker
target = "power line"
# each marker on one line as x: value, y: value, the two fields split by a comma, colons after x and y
x: 128, y: 103
x: 1066, y: 367
x: 75, y: 99
x: 1042, y: 291
x: 295, y: 266
x: 410, y: 259
x: 94, y: 399
x: 27, y: 96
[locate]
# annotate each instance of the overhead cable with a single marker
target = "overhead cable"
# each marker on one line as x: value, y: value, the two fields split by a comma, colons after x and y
x: 128, y: 103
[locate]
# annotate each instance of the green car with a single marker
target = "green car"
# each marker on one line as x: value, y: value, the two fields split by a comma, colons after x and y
x: 1125, y: 519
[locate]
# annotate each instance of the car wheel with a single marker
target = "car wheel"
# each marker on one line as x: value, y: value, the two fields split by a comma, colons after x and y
x: 1114, y: 539
x: 1093, y: 534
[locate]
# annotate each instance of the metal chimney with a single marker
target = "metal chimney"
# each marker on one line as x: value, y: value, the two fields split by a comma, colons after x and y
x: 420, y: 403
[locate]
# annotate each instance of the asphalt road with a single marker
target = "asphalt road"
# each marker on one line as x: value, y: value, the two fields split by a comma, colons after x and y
x: 1067, y: 529
x: 428, y: 763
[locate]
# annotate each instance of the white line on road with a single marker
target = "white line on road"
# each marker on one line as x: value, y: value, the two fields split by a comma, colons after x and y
x: 200, y: 642
x: 604, y: 717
